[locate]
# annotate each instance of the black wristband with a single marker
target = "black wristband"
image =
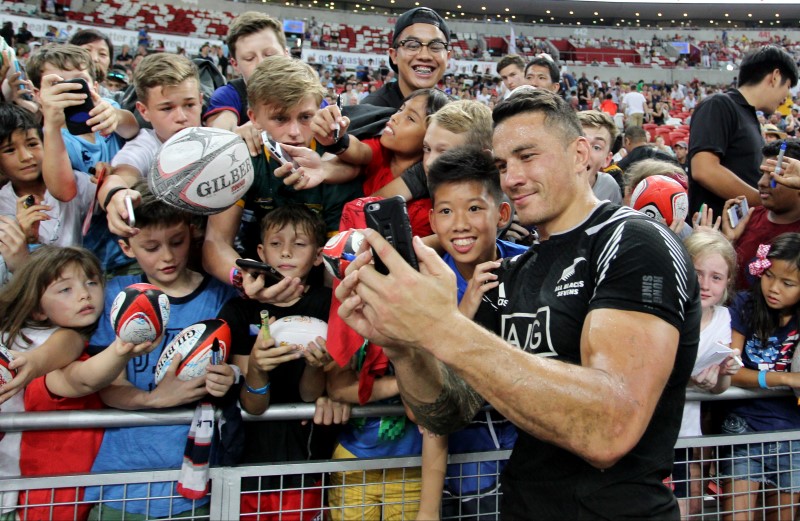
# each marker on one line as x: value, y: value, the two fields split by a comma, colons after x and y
x: 340, y: 146
x: 110, y: 194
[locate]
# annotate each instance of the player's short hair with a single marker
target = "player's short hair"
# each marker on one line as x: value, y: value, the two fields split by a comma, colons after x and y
x: 467, y: 164
x: 253, y: 22
x: 62, y: 56
x: 283, y: 81
x: 163, y: 70
x: 558, y: 113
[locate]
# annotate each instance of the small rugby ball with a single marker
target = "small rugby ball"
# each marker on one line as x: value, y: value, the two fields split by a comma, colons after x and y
x: 194, y: 345
x: 139, y: 313
x: 6, y: 374
x: 662, y: 198
x: 340, y: 251
x: 202, y: 170
x: 297, y: 330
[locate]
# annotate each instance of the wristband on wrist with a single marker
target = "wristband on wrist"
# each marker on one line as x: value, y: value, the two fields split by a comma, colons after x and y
x: 260, y: 390
x: 237, y: 281
x: 762, y: 379
x: 110, y: 194
x: 237, y: 373
x: 340, y: 146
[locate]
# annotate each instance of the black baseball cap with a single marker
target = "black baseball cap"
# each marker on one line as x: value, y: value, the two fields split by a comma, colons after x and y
x: 419, y: 15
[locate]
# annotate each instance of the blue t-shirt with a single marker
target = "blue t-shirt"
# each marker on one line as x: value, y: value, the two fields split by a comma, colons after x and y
x: 84, y: 155
x: 158, y: 447
x: 486, y: 432
x: 504, y: 249
x: 765, y: 414
x: 227, y: 98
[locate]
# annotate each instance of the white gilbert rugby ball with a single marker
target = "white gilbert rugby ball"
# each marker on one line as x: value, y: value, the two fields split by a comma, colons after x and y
x: 297, y: 329
x: 195, y: 344
x: 202, y: 170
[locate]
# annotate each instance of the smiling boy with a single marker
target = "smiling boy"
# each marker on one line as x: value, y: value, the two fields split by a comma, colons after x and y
x: 416, y: 63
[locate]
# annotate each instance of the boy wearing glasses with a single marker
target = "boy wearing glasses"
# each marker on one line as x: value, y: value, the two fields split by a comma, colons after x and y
x: 419, y: 54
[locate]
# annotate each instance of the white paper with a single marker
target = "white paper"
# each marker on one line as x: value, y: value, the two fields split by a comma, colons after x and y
x: 713, y: 356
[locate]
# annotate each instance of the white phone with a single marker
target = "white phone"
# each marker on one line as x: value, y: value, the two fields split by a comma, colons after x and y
x: 737, y: 212
x: 275, y: 149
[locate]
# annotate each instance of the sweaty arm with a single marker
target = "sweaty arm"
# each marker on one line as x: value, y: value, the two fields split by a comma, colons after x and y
x: 710, y: 174
x: 598, y: 410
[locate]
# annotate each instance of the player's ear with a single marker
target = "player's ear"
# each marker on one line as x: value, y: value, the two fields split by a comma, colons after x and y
x: 262, y: 254
x: 504, y: 215
x: 581, y: 155
x: 318, y: 259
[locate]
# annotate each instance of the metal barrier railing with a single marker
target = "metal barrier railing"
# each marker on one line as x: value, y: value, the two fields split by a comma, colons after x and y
x: 388, y: 487
x: 109, y: 418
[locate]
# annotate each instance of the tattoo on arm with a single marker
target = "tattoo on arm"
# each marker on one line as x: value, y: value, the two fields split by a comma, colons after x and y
x: 453, y: 409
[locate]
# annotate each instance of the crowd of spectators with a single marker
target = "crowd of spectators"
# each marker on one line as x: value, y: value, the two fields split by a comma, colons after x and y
x: 380, y: 128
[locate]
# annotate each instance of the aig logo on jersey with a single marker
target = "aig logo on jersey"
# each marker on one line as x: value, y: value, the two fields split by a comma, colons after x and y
x: 529, y: 331
x: 566, y: 286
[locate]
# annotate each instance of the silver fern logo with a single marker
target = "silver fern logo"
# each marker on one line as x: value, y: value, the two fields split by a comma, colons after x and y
x: 570, y: 270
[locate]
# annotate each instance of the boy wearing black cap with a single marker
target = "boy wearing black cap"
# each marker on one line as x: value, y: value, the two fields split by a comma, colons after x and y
x: 419, y: 54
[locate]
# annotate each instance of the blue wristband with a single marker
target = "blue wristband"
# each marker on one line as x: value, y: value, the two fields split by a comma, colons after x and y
x: 260, y: 390
x: 762, y: 379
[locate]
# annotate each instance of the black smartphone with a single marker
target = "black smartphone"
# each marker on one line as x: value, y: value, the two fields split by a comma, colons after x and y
x: 255, y: 268
x: 78, y: 115
x: 389, y: 217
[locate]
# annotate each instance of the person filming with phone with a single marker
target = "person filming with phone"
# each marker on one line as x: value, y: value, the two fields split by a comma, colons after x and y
x: 779, y: 211
x: 599, y: 327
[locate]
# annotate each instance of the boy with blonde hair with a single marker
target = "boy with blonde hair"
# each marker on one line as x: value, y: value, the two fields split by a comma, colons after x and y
x: 169, y: 98
x: 252, y: 37
x: 600, y: 130
x: 283, y: 95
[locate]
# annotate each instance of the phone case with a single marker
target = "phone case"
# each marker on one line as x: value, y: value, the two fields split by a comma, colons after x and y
x: 275, y: 149
x: 389, y: 217
x: 78, y: 115
x: 271, y: 275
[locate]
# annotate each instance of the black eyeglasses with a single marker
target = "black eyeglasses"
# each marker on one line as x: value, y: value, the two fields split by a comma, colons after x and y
x: 414, y: 46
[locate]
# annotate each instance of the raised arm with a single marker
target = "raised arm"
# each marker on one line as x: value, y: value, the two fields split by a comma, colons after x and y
x: 598, y: 410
